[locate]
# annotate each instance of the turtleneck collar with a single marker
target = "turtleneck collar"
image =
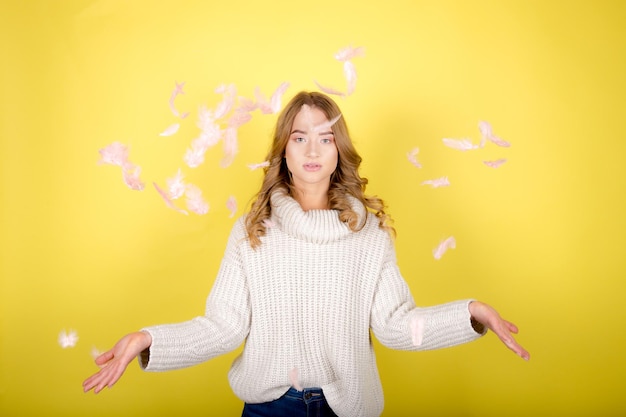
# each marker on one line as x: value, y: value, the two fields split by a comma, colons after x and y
x: 315, y: 226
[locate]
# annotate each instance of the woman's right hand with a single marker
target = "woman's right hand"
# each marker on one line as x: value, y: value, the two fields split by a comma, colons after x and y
x: 113, y: 363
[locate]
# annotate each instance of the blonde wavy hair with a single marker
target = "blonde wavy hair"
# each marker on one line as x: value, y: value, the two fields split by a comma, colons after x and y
x: 344, y: 182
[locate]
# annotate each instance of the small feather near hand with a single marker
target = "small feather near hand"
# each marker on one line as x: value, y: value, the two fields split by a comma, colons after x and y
x: 68, y: 339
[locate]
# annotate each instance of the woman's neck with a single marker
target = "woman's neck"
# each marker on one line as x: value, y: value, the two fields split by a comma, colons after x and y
x: 311, y: 201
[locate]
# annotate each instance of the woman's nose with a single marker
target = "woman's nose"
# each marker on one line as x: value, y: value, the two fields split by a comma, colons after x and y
x: 312, y: 149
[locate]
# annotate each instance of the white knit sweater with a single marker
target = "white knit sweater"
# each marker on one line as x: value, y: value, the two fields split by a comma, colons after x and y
x: 304, y: 303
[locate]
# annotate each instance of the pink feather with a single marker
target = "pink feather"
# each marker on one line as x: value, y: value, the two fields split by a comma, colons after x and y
x: 412, y: 157
x: 229, y: 93
x: 245, y: 104
x: 230, y: 147
x: 323, y: 127
x: 349, y: 52
x: 444, y: 245
x: 417, y: 325
x: 259, y: 165
x: 195, y: 202
x: 494, y: 164
x: 349, y: 72
x: 170, y: 130
x: 239, y: 118
x: 487, y: 134
x: 276, y: 99
x: 114, y: 154
x: 329, y: 90
x: 176, y: 186
x: 131, y: 174
x: 231, y: 205
x: 194, y: 157
x: 436, y: 183
x: 177, y: 90
x: 67, y: 339
x: 272, y: 105
x: 168, y: 201
x: 459, y: 144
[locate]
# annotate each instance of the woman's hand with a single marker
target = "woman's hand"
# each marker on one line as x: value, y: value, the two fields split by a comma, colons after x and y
x: 489, y: 317
x: 113, y: 363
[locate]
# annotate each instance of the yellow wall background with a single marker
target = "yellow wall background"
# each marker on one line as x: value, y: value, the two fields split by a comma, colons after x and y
x: 541, y: 238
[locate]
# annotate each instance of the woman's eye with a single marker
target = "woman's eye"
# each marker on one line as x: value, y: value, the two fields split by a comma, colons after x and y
x: 326, y: 140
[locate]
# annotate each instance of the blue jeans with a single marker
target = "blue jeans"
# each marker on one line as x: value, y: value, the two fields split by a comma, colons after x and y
x: 308, y: 403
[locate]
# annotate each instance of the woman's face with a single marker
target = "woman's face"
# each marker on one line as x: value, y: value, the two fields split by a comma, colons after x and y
x: 311, y: 153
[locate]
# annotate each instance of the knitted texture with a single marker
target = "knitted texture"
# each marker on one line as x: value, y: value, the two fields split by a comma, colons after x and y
x: 304, y: 302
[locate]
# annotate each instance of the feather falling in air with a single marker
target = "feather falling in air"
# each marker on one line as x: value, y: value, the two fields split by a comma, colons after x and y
x: 176, y: 186
x: 345, y: 55
x: 460, y: 144
x: 178, y: 89
x: 494, y: 164
x: 170, y: 130
x: 68, y: 339
x: 168, y: 200
x: 487, y: 134
x: 323, y: 127
x: 412, y: 157
x: 116, y: 154
x: 231, y: 205
x: 131, y: 175
x: 444, y: 245
x: 229, y: 93
x: 195, y: 202
x: 259, y: 165
x: 417, y: 325
x: 273, y: 105
x: 438, y: 182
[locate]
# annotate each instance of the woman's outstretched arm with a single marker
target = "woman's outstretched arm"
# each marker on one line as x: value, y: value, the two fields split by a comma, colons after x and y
x: 113, y: 363
x: 489, y: 317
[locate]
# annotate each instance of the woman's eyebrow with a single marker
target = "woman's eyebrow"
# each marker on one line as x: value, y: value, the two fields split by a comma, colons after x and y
x: 297, y: 131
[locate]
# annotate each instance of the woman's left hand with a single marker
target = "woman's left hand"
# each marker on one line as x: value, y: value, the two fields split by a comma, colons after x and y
x: 489, y: 317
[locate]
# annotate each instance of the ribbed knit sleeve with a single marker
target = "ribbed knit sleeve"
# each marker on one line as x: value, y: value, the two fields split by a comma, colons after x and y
x: 222, y: 329
x: 394, y: 315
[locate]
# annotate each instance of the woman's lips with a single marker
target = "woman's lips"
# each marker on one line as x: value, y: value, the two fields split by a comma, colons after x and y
x: 312, y: 167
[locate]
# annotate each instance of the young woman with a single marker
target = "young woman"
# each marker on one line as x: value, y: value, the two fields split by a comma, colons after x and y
x: 306, y: 275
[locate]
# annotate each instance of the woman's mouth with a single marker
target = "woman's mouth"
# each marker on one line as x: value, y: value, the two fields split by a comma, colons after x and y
x: 310, y: 167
